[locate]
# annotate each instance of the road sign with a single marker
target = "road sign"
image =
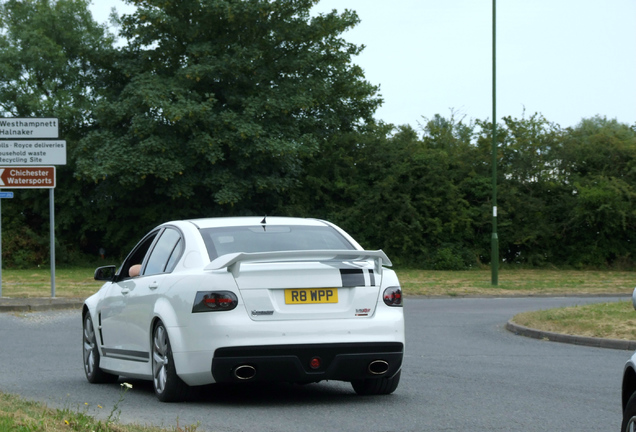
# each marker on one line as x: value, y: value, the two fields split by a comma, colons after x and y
x: 6, y: 194
x: 28, y: 128
x: 33, y: 152
x: 36, y: 177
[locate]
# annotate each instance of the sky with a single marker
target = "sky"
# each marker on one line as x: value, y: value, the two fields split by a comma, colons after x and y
x: 564, y: 59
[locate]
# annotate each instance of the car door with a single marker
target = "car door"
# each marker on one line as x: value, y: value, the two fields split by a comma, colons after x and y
x: 113, y: 312
x: 149, y: 286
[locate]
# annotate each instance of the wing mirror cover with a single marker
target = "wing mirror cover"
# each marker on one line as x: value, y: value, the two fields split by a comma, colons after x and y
x: 106, y: 273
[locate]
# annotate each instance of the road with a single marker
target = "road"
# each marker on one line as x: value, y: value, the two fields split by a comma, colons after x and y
x: 462, y: 371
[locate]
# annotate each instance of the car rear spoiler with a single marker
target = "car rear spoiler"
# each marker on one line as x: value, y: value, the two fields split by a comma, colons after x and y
x: 233, y: 261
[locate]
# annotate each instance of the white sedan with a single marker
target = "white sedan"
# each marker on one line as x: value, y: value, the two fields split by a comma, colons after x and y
x: 231, y: 300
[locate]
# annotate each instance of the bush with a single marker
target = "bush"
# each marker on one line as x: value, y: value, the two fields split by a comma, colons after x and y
x: 23, y: 248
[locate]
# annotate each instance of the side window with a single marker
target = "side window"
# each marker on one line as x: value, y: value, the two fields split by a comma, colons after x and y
x: 136, y: 257
x: 165, y: 253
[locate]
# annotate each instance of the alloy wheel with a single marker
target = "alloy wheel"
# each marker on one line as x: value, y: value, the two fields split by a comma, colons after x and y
x: 89, y: 345
x: 160, y: 358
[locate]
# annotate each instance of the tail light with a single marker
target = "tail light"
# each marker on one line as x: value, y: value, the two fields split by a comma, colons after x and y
x: 214, y: 301
x: 393, y: 296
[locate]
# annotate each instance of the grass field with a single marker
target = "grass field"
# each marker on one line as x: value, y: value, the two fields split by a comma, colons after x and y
x: 516, y: 282
x: 69, y: 282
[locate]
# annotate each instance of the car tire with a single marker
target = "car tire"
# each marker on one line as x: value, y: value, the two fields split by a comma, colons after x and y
x: 90, y: 351
x: 629, y: 415
x: 376, y: 386
x: 167, y: 384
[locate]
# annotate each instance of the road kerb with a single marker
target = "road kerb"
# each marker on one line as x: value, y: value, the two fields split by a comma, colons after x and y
x: 619, y: 344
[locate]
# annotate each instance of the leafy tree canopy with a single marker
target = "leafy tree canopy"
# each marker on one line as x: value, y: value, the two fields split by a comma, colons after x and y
x: 221, y: 100
x: 50, y: 51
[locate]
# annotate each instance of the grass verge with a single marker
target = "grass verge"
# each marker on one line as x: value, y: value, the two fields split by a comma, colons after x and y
x: 19, y: 415
x: 69, y: 282
x: 516, y: 282
x: 616, y: 320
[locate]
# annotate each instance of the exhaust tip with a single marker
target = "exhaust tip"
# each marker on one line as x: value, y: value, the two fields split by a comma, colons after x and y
x: 245, y: 372
x: 378, y: 367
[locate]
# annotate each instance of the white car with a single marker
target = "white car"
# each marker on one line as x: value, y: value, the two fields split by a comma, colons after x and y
x: 231, y: 300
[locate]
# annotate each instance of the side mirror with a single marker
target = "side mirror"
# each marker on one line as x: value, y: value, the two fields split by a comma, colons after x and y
x: 106, y: 273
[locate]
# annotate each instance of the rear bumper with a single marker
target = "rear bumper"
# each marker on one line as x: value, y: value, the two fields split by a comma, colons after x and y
x: 196, y: 346
x: 291, y: 363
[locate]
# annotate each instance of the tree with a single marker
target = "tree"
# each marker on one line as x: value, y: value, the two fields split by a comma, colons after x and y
x: 51, y: 52
x: 469, y: 171
x: 213, y: 105
x: 597, y: 165
x: 529, y: 183
x: 393, y: 193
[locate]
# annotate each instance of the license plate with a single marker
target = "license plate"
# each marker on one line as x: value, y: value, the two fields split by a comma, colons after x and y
x: 311, y: 295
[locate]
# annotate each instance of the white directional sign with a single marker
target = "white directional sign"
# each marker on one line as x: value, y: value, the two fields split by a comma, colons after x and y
x: 44, y: 152
x: 28, y: 128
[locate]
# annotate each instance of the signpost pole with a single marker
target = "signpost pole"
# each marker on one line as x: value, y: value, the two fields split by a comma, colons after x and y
x: 52, y: 222
x: 494, y: 241
x: 2, y: 195
x: 0, y: 248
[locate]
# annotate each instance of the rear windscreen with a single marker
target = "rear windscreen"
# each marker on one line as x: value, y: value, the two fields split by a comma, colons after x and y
x: 261, y: 238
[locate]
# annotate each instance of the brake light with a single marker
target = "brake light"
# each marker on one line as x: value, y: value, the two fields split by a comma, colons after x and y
x: 214, y: 301
x: 393, y: 296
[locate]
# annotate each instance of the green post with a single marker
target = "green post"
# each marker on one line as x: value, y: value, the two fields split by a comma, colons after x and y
x: 494, y: 242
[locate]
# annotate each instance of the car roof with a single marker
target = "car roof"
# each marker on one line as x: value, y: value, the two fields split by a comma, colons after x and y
x: 253, y: 220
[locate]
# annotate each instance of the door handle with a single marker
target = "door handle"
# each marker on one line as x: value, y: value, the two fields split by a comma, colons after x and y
x: 153, y: 286
x: 125, y: 291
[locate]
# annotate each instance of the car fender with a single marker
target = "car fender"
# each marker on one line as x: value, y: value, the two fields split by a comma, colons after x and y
x: 165, y: 312
x: 92, y: 301
x: 91, y: 304
x: 90, y: 307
